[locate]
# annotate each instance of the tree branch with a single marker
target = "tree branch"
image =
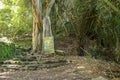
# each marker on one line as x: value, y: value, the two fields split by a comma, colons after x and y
x: 49, y: 7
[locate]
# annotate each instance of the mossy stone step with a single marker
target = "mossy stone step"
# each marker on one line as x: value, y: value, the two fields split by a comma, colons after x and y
x: 29, y: 67
x: 27, y: 58
x: 52, y: 63
x: 11, y: 66
x: 29, y: 62
x: 11, y: 62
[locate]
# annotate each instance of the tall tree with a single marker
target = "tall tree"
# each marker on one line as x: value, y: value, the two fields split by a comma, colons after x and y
x: 37, y: 22
x: 37, y: 25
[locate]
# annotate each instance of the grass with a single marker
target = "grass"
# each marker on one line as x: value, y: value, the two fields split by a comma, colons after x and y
x: 7, y: 50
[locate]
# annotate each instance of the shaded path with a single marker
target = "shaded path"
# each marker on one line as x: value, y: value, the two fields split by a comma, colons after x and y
x: 56, y: 67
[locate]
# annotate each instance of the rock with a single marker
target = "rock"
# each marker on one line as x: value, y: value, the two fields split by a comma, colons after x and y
x: 60, y: 52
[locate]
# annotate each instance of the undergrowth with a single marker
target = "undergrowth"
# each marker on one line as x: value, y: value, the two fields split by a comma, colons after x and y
x: 7, y: 50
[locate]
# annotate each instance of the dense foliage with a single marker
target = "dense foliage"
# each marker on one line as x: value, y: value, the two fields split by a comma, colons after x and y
x: 15, y: 17
x: 95, y: 23
x: 7, y: 50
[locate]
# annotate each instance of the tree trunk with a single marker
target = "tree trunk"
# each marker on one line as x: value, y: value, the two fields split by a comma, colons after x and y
x: 37, y: 25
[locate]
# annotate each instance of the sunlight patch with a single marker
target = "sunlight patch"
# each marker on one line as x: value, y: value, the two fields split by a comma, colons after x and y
x: 1, y: 5
x: 81, y: 67
x: 5, y: 39
x: 15, y: 8
x: 4, y: 75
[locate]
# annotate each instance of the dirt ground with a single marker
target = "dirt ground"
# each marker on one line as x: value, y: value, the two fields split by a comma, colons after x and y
x: 60, y: 68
